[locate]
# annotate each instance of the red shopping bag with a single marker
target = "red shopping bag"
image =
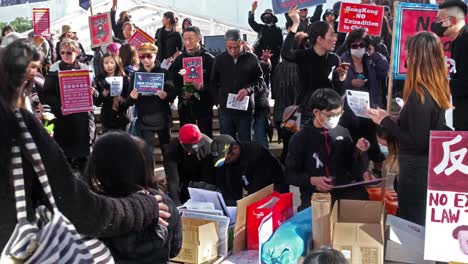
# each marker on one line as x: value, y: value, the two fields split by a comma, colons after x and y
x: 281, y: 207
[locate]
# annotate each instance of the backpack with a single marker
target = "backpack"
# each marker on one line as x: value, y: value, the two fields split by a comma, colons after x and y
x: 291, y: 120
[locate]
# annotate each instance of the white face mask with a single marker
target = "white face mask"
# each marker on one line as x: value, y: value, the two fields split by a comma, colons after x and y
x: 331, y: 122
x: 358, y: 53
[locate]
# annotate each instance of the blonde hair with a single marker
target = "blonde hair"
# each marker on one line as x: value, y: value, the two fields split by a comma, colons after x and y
x: 427, y: 69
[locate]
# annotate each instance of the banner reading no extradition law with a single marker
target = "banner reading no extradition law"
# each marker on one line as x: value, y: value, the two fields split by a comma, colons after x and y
x: 355, y: 16
x: 447, y: 197
x: 282, y: 6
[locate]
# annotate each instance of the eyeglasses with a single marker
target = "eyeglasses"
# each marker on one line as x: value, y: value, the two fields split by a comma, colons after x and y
x: 68, y: 53
x: 357, y: 46
x: 332, y: 115
x: 441, y: 20
x: 146, y: 56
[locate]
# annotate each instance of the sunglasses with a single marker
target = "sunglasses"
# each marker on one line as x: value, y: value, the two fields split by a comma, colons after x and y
x: 69, y: 53
x: 357, y: 46
x: 146, y: 56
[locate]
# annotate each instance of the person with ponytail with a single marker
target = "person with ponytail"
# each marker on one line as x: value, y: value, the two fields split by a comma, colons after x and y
x: 168, y: 39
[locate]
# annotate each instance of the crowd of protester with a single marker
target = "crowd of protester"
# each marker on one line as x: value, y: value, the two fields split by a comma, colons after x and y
x: 110, y: 176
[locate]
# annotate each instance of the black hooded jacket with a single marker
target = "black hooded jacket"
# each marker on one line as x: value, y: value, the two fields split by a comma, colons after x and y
x: 204, y: 107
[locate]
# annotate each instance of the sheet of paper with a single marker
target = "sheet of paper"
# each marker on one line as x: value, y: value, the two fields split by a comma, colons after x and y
x: 358, y: 183
x: 233, y: 103
x: 223, y: 226
x: 165, y: 64
x: 197, y: 205
x: 216, y: 198
x: 359, y: 102
x: 116, y: 85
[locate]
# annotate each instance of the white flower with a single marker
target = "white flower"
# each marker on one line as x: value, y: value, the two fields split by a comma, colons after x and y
x: 182, y: 72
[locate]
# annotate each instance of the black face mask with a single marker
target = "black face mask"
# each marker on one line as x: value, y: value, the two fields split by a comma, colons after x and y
x: 438, y: 29
x: 268, y: 19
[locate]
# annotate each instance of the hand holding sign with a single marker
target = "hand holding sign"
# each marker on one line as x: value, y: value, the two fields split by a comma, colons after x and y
x: 134, y: 94
x: 241, y: 94
x: 377, y: 115
x: 161, y: 94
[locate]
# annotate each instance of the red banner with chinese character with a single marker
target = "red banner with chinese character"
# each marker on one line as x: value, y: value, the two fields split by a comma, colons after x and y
x: 100, y: 29
x: 41, y: 22
x: 75, y: 92
x: 447, y: 197
x: 140, y: 37
x: 354, y: 16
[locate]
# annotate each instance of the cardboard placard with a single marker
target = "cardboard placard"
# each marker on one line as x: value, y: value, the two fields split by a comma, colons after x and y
x: 100, y: 30
x: 75, y: 92
x: 148, y: 83
x: 41, y: 22
x: 282, y: 6
x: 140, y: 37
x: 409, y: 20
x: 355, y: 16
x: 194, y: 70
x: 447, y: 197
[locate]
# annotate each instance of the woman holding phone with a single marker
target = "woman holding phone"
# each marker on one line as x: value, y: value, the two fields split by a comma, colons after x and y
x: 315, y: 63
x: 367, y: 70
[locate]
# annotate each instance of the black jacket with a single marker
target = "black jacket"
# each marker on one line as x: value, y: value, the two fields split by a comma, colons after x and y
x: 155, y: 244
x: 459, y: 80
x: 110, y: 118
x: 314, y: 69
x: 168, y: 43
x: 204, y: 107
x: 72, y: 132
x: 93, y: 215
x: 153, y: 112
x: 182, y: 168
x: 315, y: 152
x: 269, y: 37
x: 116, y: 26
x: 229, y: 77
x: 304, y: 24
x: 259, y: 167
x: 415, y: 123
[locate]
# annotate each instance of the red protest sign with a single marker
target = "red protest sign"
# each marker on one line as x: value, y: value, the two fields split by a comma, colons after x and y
x: 41, y: 22
x: 193, y: 67
x: 140, y: 37
x: 100, y: 29
x: 447, y: 197
x: 75, y: 91
x: 354, y: 16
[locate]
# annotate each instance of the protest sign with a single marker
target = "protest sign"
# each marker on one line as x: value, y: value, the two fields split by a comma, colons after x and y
x: 75, y: 91
x: 41, y: 21
x: 359, y: 102
x: 410, y: 19
x: 355, y: 16
x: 447, y: 197
x: 140, y: 37
x: 193, y: 67
x: 148, y: 83
x: 116, y: 85
x: 282, y: 6
x: 100, y: 29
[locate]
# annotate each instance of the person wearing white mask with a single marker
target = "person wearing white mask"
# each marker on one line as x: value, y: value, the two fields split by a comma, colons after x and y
x: 368, y: 69
x: 322, y: 154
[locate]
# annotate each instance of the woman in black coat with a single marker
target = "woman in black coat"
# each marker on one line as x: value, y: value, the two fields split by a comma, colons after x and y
x: 74, y: 132
x: 154, y: 111
x: 93, y: 215
x: 168, y: 40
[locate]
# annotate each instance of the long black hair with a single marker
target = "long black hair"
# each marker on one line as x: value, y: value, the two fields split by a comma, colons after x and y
x: 317, y: 29
x: 14, y: 60
x: 118, y: 166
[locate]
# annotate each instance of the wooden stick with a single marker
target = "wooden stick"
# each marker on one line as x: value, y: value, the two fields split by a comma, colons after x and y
x: 91, y: 6
x: 392, y: 59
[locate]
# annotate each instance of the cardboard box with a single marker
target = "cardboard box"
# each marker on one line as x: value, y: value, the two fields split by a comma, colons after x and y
x: 405, y: 241
x: 321, y: 208
x: 240, y: 231
x: 358, y: 230
x: 199, y: 241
